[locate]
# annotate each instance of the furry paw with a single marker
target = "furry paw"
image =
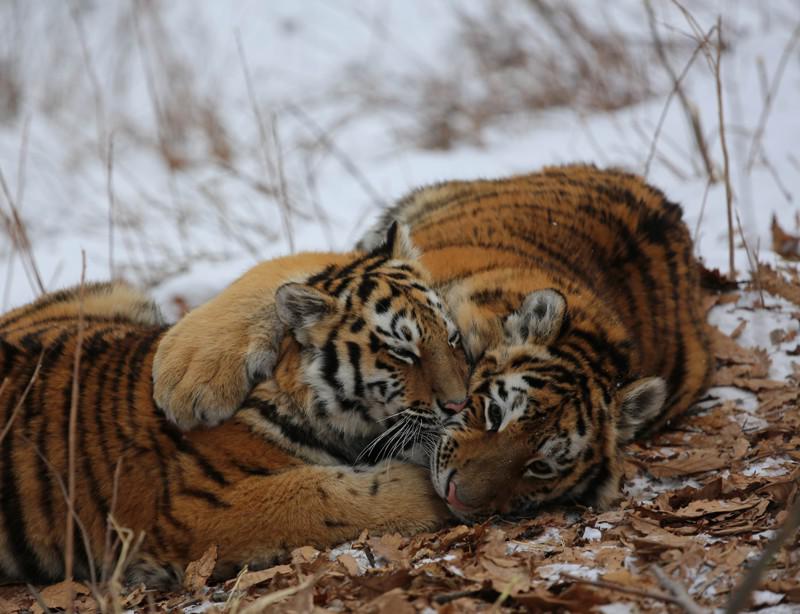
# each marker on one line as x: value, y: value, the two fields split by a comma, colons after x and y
x: 203, y: 380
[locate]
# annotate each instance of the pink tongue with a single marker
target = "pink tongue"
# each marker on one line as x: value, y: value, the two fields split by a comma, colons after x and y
x: 453, y: 500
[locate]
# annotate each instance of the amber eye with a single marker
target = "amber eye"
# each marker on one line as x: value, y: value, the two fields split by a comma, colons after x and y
x: 539, y: 469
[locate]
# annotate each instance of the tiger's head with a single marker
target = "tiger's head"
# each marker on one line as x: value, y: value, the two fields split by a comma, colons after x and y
x: 541, y: 424
x: 378, y: 349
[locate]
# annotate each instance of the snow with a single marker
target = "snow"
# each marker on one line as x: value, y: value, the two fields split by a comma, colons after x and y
x: 190, y: 233
x: 553, y: 572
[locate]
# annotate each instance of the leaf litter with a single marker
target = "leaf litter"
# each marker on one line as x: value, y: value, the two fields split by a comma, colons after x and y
x: 700, y: 502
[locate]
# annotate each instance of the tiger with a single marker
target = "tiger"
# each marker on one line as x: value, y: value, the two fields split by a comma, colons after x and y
x: 579, y: 303
x: 368, y: 349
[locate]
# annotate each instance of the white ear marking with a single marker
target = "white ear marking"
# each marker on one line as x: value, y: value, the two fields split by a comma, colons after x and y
x: 640, y: 402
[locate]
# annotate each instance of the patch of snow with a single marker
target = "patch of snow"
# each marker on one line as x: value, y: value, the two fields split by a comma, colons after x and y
x: 603, y: 525
x: 769, y: 467
x: 592, y: 535
x: 436, y: 559
x: 760, y: 323
x: 552, y: 573
x: 762, y: 598
x: 646, y: 487
x: 767, y: 535
x: 618, y: 608
x: 358, y: 555
x: 550, y: 537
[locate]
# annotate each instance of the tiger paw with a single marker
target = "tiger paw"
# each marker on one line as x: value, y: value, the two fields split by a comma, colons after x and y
x: 202, y: 379
x: 411, y: 500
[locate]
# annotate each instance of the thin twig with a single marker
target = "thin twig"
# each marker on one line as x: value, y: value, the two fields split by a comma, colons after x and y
x: 676, y: 86
x: 691, y: 112
x: 624, y: 589
x: 740, y: 596
x: 286, y: 219
x: 19, y: 237
x: 111, y: 204
x: 678, y: 591
x: 283, y: 192
x: 755, y: 273
x: 724, y: 143
x: 343, y: 158
x: 72, y: 437
x: 90, y: 70
x: 755, y: 145
x: 21, y: 400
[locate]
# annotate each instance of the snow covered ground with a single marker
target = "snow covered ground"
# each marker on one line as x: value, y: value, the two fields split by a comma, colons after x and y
x: 343, y: 87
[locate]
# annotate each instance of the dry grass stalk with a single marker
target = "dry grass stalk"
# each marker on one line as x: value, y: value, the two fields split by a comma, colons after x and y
x: 689, y: 109
x: 770, y: 95
x: 69, y: 556
x: 740, y: 597
x: 345, y: 160
x: 111, y: 205
x: 724, y: 144
x: 752, y: 259
x: 676, y: 87
x: 18, y: 234
x: 269, y: 167
x: 97, y: 92
x: 678, y: 591
x: 22, y: 398
x: 620, y: 588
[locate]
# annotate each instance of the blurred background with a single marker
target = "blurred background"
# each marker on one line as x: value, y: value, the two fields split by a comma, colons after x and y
x: 179, y: 142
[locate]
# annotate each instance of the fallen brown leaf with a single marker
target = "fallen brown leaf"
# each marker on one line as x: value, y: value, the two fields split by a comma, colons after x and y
x: 198, y: 572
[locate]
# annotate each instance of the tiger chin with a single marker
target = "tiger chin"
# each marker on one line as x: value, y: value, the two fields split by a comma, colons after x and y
x: 368, y: 351
x: 578, y: 299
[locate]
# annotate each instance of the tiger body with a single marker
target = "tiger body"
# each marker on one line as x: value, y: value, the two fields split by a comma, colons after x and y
x: 281, y: 473
x: 569, y: 286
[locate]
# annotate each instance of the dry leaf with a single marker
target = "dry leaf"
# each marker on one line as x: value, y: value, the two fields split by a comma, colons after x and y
x: 57, y: 596
x: 252, y: 578
x: 689, y: 463
x: 350, y: 564
x: 784, y: 244
x: 198, y: 572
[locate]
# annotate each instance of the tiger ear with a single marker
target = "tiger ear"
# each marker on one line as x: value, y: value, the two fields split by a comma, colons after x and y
x: 640, y: 402
x: 398, y: 245
x: 300, y: 306
x: 540, y: 319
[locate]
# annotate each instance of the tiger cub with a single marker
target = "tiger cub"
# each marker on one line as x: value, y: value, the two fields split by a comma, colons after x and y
x: 578, y: 300
x: 369, y: 349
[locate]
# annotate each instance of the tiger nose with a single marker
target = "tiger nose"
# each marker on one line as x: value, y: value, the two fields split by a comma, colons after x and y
x: 455, y: 406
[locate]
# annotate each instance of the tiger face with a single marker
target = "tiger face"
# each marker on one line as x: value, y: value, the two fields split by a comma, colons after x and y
x: 378, y: 348
x: 539, y: 426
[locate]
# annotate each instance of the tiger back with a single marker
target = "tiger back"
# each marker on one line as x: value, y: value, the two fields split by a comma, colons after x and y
x: 577, y: 295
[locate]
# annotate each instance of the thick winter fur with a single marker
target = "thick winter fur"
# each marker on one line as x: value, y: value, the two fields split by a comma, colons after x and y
x: 578, y: 301
x: 277, y: 475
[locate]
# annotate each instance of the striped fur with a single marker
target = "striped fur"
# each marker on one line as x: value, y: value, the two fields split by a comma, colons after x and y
x: 280, y: 474
x: 578, y: 300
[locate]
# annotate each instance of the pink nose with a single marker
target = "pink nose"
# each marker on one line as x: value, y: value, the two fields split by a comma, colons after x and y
x: 456, y: 406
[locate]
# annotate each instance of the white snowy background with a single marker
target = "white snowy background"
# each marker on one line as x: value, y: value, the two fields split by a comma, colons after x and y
x: 131, y: 131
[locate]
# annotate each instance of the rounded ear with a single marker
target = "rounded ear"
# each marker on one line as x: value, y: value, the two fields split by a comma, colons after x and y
x: 301, y: 306
x: 640, y: 403
x: 540, y: 319
x: 397, y: 245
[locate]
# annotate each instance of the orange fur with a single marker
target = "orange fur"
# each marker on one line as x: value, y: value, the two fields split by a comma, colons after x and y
x: 274, y: 477
x: 628, y: 353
